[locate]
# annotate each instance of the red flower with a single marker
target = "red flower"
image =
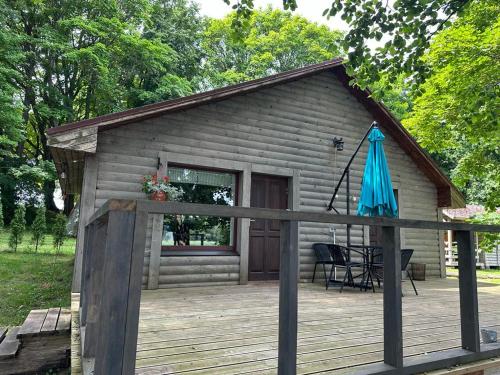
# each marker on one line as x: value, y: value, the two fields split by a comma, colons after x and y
x: 166, y: 179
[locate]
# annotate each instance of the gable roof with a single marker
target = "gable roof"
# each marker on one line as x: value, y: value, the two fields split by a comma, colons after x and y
x: 467, y: 212
x: 70, y: 142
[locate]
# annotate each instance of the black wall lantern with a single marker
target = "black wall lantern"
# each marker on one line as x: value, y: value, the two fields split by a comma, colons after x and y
x: 338, y: 143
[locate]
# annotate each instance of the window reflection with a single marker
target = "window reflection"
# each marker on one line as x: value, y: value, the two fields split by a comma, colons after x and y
x: 194, y: 231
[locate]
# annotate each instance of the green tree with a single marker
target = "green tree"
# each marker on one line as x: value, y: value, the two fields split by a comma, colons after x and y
x: 488, y: 241
x: 403, y: 29
x: 1, y: 211
x: 59, y: 231
x: 455, y: 113
x: 17, y: 227
x: 39, y: 227
x: 271, y: 41
x: 70, y: 60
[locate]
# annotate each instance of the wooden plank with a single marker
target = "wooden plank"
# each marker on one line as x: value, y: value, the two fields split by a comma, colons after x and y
x: 87, y: 207
x: 134, y: 297
x: 155, y: 255
x: 64, y: 322
x: 243, y: 237
x: 288, y: 298
x: 468, y: 290
x: 33, y: 323
x: 94, y: 286
x: 109, y: 355
x: 288, y: 215
x: 393, y: 316
x: 50, y: 323
x: 10, y: 345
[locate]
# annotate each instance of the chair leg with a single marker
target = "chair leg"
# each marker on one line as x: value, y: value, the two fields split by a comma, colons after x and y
x: 347, y: 272
x: 327, y: 281
x: 314, y: 272
x: 413, y: 284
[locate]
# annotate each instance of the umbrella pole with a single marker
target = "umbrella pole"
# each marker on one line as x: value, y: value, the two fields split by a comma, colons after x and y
x: 348, y: 205
x: 346, y: 170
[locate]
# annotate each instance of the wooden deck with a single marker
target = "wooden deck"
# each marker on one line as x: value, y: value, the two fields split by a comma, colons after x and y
x: 229, y: 330
x: 233, y: 330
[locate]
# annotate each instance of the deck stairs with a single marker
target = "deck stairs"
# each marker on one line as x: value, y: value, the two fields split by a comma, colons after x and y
x: 40, y: 344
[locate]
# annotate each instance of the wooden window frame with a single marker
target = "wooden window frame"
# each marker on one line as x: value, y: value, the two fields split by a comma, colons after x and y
x: 176, y: 250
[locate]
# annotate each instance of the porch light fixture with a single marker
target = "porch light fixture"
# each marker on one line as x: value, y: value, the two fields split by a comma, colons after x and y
x: 338, y: 143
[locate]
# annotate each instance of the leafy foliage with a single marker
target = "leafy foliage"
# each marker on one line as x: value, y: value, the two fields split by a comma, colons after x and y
x: 59, y: 231
x: 271, y: 41
x: 17, y: 227
x: 405, y: 28
x: 70, y: 60
x: 39, y: 227
x: 488, y: 241
x: 455, y: 113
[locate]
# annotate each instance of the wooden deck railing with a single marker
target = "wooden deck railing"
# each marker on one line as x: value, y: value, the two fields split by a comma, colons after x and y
x: 115, y: 240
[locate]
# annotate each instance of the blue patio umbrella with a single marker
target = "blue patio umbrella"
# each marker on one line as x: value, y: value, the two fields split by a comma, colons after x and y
x: 377, y: 197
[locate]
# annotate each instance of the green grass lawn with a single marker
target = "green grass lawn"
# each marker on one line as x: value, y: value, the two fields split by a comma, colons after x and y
x: 488, y: 276
x: 31, y: 280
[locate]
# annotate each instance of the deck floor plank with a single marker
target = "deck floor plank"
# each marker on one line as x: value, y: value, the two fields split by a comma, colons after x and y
x: 233, y: 329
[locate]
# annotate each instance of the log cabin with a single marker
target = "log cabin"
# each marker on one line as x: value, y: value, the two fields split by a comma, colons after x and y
x: 262, y: 143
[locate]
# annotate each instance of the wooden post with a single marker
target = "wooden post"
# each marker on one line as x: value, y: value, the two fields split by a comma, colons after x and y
x: 113, y: 312
x: 393, y: 315
x: 467, y: 283
x: 86, y: 271
x: 155, y: 254
x: 289, y: 259
x: 134, y: 296
x: 87, y: 206
x: 95, y: 283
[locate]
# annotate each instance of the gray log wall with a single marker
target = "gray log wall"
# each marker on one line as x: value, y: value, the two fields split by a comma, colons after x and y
x: 287, y: 126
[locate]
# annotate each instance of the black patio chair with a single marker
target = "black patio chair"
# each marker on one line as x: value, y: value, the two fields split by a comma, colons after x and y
x: 406, y: 255
x: 378, y: 264
x: 341, y: 256
x: 323, y: 258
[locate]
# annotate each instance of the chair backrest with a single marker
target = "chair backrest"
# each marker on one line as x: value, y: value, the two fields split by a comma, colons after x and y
x: 339, y: 254
x: 322, y: 252
x: 405, y: 258
x: 378, y: 255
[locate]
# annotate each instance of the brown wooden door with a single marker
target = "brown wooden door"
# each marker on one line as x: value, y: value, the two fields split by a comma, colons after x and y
x: 264, y: 248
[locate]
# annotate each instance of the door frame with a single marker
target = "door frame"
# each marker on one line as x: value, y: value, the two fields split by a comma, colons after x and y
x: 293, y: 176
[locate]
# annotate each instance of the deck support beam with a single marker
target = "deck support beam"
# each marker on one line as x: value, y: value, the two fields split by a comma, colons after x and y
x: 288, y: 298
x: 469, y: 315
x: 393, y: 311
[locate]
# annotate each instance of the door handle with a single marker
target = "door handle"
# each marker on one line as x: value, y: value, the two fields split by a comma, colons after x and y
x: 252, y: 220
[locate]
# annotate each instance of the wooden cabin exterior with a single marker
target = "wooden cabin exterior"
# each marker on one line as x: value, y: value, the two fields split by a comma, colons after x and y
x: 271, y: 141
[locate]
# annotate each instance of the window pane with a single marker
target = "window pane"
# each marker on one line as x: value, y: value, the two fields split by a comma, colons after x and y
x: 207, y: 187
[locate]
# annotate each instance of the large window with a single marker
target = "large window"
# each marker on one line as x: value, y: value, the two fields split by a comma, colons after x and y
x: 193, y: 232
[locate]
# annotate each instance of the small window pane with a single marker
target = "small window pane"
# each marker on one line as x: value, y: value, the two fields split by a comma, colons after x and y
x: 207, y: 187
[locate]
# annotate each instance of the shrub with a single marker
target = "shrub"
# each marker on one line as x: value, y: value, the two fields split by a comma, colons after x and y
x: 17, y: 227
x: 59, y: 231
x: 39, y: 227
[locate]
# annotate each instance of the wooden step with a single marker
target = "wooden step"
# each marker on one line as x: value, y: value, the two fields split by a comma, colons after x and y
x: 45, y: 323
x: 33, y: 323
x: 10, y: 344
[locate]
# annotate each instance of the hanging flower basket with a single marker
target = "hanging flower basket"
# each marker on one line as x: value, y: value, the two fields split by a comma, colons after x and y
x: 160, y: 190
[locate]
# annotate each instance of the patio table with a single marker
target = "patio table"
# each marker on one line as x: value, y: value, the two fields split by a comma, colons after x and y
x: 368, y: 254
